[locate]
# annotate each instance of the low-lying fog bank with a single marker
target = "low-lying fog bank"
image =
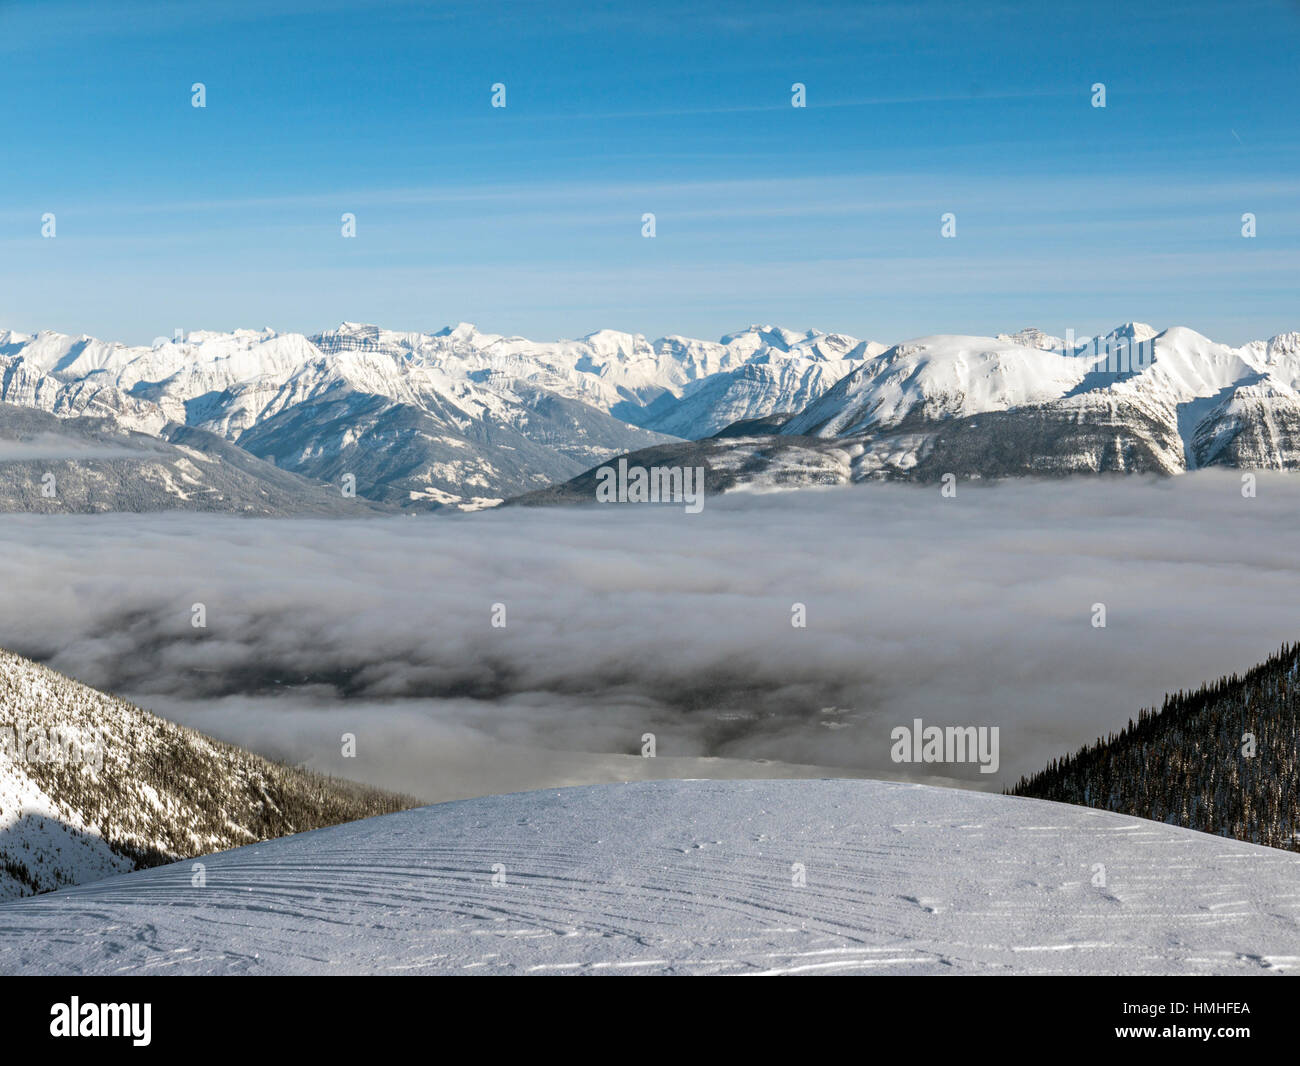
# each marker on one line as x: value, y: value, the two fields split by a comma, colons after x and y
x: 625, y: 620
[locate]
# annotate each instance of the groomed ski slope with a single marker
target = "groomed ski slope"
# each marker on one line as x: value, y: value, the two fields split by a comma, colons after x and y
x: 693, y: 877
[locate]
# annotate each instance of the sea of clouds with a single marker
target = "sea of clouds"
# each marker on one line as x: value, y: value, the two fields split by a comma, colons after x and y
x: 631, y: 619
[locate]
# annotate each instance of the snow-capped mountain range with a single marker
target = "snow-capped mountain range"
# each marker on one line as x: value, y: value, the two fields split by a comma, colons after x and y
x: 457, y: 417
x: 466, y: 419
x: 1134, y: 400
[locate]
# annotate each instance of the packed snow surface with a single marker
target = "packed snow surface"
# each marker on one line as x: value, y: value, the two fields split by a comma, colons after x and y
x: 693, y: 877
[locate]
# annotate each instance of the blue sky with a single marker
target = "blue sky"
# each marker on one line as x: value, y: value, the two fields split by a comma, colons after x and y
x: 527, y: 219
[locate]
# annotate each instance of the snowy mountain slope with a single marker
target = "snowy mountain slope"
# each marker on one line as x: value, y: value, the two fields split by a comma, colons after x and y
x: 935, y: 378
x: 96, y: 465
x: 601, y: 369
x: 1033, y: 337
x: 23, y: 383
x: 1173, y: 402
x: 1253, y: 426
x: 1175, y: 376
x: 1086, y: 434
x: 730, y: 463
x: 281, y: 398
x: 91, y: 785
x: 495, y: 415
x: 1014, y: 406
x: 644, y: 383
x: 401, y: 454
x: 464, y: 419
x: 752, y: 391
x: 605, y: 369
x: 1196, y: 738
x: 694, y: 877
x: 1072, y: 437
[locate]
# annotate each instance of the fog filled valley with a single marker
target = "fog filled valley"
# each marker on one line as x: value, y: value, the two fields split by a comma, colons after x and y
x: 521, y: 648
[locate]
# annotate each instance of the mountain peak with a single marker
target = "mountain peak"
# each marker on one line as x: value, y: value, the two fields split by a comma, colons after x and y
x: 1284, y: 344
x: 460, y: 331
x: 1033, y: 337
x: 772, y: 335
x: 1132, y: 331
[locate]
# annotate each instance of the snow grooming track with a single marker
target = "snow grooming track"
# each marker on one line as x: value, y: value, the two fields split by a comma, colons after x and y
x: 693, y: 877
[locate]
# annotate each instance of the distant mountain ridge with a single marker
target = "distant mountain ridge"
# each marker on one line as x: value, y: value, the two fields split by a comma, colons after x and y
x: 89, y: 465
x: 455, y: 418
x: 1134, y: 401
x: 463, y: 419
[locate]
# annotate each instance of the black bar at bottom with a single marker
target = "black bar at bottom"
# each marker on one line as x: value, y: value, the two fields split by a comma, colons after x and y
x: 335, y: 1015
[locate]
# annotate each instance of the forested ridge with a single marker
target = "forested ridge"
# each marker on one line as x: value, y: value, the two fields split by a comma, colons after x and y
x: 1221, y: 759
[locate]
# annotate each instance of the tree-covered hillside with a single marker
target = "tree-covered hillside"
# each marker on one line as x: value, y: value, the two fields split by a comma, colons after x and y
x: 1223, y: 759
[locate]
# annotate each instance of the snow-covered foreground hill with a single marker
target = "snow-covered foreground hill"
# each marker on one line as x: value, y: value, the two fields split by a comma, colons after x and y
x: 693, y: 877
